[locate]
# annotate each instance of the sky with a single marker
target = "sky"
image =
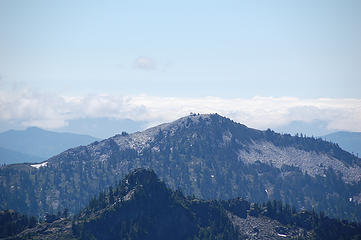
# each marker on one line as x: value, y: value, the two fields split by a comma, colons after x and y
x: 262, y: 63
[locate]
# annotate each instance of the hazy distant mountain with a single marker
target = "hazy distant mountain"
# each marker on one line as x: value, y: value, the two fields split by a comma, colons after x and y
x: 350, y: 141
x: 209, y: 156
x: 8, y: 157
x: 314, y: 128
x: 39, y: 143
x: 96, y: 127
x: 102, y: 127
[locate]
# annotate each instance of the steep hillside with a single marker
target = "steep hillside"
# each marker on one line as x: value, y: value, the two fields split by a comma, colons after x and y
x: 209, y: 156
x: 40, y: 143
x: 142, y: 207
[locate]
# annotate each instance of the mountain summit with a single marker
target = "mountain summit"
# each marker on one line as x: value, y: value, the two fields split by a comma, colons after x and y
x: 207, y: 155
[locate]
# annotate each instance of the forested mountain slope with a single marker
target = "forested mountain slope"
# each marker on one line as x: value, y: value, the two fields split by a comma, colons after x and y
x: 143, y: 207
x: 209, y: 156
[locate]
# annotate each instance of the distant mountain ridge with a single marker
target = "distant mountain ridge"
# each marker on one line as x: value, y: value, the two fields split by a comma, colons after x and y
x: 207, y: 155
x: 9, y: 157
x: 350, y: 141
x: 38, y: 144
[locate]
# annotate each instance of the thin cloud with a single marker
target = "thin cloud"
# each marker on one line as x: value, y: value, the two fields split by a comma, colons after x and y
x: 145, y: 63
x: 49, y: 111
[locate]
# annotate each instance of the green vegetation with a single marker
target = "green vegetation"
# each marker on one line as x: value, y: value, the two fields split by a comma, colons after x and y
x: 12, y: 223
x: 143, y: 207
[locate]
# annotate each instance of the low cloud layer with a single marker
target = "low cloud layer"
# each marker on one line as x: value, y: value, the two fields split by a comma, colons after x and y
x: 52, y: 112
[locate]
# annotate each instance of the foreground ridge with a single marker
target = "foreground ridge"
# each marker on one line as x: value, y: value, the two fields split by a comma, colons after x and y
x: 142, y: 207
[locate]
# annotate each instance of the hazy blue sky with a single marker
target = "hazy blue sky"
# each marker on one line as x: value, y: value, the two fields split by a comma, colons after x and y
x: 195, y: 48
x: 185, y: 49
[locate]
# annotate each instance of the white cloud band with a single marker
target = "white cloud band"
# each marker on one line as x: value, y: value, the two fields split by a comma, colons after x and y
x: 52, y: 112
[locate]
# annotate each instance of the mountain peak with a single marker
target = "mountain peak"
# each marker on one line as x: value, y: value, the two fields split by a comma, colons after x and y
x: 142, y: 140
x: 141, y: 176
x: 207, y: 155
x: 197, y: 117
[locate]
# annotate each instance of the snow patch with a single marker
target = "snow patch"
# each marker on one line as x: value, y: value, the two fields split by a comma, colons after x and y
x: 39, y: 165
